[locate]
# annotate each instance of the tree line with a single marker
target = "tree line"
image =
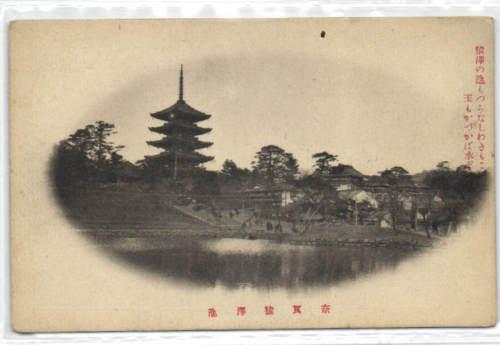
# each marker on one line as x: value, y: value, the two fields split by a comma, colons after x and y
x: 89, y: 157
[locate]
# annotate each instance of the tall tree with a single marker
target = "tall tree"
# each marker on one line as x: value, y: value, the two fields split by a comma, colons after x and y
x: 394, y: 176
x: 104, y: 151
x: 94, y: 144
x: 274, y: 164
x: 87, y: 154
x: 323, y: 163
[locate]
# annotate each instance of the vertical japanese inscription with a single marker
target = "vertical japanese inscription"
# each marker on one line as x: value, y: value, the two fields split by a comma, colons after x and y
x: 475, y: 114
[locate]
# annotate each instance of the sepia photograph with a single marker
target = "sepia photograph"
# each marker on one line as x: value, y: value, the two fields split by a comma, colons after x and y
x: 319, y: 225
x: 252, y: 174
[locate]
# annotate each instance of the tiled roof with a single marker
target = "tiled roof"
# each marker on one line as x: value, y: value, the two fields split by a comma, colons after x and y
x: 180, y: 108
x: 342, y: 170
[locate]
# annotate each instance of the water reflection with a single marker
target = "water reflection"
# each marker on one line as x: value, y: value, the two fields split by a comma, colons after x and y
x: 257, y: 263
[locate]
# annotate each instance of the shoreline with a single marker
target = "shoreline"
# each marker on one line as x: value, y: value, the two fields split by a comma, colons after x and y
x: 364, y: 236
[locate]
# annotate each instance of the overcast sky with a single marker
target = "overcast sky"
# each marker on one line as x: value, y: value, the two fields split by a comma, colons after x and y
x: 377, y: 94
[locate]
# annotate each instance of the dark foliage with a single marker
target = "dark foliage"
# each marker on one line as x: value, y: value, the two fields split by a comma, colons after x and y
x: 275, y: 165
x: 460, y: 185
x: 323, y: 163
x: 87, y: 157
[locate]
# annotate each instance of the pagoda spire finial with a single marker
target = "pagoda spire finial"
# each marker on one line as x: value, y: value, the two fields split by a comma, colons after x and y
x: 181, y: 84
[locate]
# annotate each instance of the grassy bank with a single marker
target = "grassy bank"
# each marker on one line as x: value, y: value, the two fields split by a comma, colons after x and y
x: 141, y: 215
x: 341, y: 235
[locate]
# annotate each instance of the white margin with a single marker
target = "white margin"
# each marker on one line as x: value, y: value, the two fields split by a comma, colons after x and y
x: 131, y: 9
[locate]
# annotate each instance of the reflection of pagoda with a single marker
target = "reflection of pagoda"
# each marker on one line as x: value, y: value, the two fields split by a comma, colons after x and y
x: 180, y: 141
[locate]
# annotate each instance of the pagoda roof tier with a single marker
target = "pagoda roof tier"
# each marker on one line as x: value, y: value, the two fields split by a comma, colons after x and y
x: 180, y: 111
x: 180, y: 142
x: 191, y: 157
x: 180, y: 126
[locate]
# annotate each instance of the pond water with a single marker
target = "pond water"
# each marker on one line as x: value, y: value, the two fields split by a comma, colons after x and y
x: 236, y: 263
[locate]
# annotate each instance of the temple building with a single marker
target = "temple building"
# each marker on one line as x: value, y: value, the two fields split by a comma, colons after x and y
x: 344, y: 177
x: 180, y: 137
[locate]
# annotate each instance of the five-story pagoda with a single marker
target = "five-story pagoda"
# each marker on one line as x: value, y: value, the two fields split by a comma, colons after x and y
x: 180, y: 132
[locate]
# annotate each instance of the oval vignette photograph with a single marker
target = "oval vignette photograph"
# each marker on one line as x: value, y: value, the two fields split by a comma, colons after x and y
x: 296, y: 171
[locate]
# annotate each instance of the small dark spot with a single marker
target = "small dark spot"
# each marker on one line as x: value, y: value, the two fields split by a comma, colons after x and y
x: 323, y: 34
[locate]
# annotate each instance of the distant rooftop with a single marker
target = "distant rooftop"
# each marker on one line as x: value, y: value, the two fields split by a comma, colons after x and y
x: 343, y: 170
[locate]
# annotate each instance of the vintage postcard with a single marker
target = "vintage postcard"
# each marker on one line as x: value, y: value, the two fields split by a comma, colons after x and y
x: 252, y: 174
